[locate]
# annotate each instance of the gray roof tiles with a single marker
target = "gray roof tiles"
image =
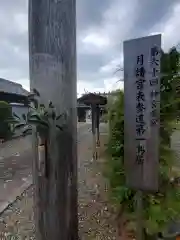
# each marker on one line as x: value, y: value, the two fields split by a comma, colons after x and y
x: 12, y: 87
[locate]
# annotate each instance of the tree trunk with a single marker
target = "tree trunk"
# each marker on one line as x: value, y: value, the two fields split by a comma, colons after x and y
x: 52, y: 56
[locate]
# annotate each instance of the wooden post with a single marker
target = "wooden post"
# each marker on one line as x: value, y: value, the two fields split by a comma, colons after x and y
x: 52, y: 56
x: 141, y: 125
x: 97, y: 126
x: 93, y: 114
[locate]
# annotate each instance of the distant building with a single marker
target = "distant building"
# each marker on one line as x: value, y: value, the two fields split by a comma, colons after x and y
x: 16, y: 96
x: 12, y: 87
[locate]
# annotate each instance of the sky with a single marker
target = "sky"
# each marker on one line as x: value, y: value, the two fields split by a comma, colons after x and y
x: 102, y: 26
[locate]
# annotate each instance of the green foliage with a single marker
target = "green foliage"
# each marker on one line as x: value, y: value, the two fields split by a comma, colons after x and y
x: 39, y: 116
x: 5, y: 110
x: 5, y: 113
x: 162, y: 206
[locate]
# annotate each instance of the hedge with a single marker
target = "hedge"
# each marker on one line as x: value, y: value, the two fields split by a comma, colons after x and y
x: 5, y: 113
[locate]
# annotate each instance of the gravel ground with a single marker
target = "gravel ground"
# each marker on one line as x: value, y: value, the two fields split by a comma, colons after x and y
x: 96, y: 218
x: 17, y: 220
x: 15, y: 146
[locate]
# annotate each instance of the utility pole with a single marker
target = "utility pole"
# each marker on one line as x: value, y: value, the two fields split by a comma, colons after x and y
x: 52, y: 57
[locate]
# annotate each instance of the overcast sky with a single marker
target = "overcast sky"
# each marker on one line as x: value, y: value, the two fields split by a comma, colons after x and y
x: 102, y: 26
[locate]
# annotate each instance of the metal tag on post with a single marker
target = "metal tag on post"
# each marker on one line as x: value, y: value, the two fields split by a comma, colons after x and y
x: 142, y: 111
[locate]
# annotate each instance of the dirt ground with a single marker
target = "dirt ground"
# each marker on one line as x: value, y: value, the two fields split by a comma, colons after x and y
x: 96, y: 218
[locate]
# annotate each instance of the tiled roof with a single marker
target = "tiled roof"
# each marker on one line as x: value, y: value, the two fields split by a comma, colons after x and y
x: 12, y: 87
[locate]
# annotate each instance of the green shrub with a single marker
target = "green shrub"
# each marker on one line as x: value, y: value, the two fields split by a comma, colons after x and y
x: 162, y: 207
x: 5, y: 113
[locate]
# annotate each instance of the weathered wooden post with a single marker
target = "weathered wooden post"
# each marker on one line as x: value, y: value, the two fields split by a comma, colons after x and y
x: 142, y: 117
x: 52, y: 56
x: 94, y: 116
x: 97, y: 125
x: 94, y: 101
